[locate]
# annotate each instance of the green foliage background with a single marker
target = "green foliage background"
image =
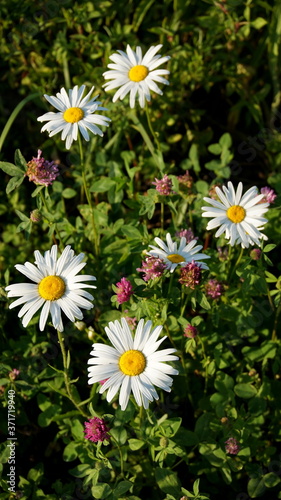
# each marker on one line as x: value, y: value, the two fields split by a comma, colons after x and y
x: 219, y: 118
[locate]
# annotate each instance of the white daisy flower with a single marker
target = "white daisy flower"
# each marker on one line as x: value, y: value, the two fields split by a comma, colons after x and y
x: 132, y: 364
x: 173, y: 255
x: 56, y: 287
x: 75, y: 114
x: 239, y: 216
x: 136, y: 74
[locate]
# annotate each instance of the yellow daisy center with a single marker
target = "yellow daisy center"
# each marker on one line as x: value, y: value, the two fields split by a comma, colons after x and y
x: 132, y: 362
x: 51, y: 288
x: 175, y: 258
x: 73, y: 115
x: 138, y: 73
x: 236, y: 213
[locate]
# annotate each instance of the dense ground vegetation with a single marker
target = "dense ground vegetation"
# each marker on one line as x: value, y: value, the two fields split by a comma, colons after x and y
x: 218, y: 120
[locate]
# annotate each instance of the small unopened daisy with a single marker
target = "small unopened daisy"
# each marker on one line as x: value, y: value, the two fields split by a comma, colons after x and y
x: 172, y: 255
x: 55, y: 286
x: 76, y: 114
x: 133, y: 364
x: 239, y: 216
x: 136, y: 74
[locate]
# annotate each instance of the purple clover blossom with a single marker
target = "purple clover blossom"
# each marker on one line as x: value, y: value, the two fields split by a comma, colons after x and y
x: 132, y: 322
x: 187, y: 234
x: 269, y: 195
x: 223, y: 253
x: 232, y: 446
x: 14, y: 374
x: 255, y: 254
x: 213, y: 193
x: 125, y: 290
x: 164, y: 185
x: 214, y: 288
x: 41, y: 171
x: 190, y: 275
x: 190, y: 331
x: 35, y: 215
x: 153, y: 267
x: 185, y: 179
x: 96, y: 430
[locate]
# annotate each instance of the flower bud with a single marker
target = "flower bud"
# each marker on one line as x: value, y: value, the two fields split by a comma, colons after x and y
x: 35, y: 215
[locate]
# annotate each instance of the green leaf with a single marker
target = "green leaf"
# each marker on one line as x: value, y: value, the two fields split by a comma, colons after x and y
x: 167, y: 481
x: 20, y: 160
x: 14, y: 183
x: 102, y: 185
x: 215, y: 149
x: 11, y: 169
x: 46, y: 417
x: 269, y: 247
x: 77, y: 429
x: 256, y: 487
x: 22, y: 226
x: 202, y: 300
x: 271, y: 480
x: 225, y: 141
x: 81, y: 470
x: 102, y: 490
x: 121, y: 488
x: 171, y: 426
x: 202, y: 187
x: 270, y: 277
x: 213, y: 165
x: 69, y: 193
x: 70, y: 452
x: 37, y: 191
x: 22, y: 216
x: 268, y: 349
x: 135, y: 444
x: 131, y: 232
x: 245, y: 391
x: 194, y: 157
x: 258, y: 23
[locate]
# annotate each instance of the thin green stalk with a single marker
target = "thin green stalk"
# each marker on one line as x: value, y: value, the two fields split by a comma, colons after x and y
x: 51, y: 223
x: 162, y: 216
x: 170, y: 284
x: 66, y: 377
x: 88, y: 196
x: 184, y: 301
x: 157, y: 156
x: 13, y: 116
x: 151, y: 128
x: 236, y: 264
x: 66, y: 72
x: 120, y: 454
x: 205, y: 363
x: 274, y: 331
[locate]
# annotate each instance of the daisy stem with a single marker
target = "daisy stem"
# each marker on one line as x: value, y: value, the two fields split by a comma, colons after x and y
x: 274, y: 331
x: 184, y: 301
x: 51, y: 223
x: 236, y: 264
x: 66, y: 377
x: 205, y: 363
x: 88, y: 196
x: 170, y: 284
x: 154, y: 135
x: 151, y: 128
x: 120, y: 454
x: 162, y: 216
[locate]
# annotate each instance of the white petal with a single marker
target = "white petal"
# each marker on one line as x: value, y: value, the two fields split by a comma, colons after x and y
x: 44, y: 315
